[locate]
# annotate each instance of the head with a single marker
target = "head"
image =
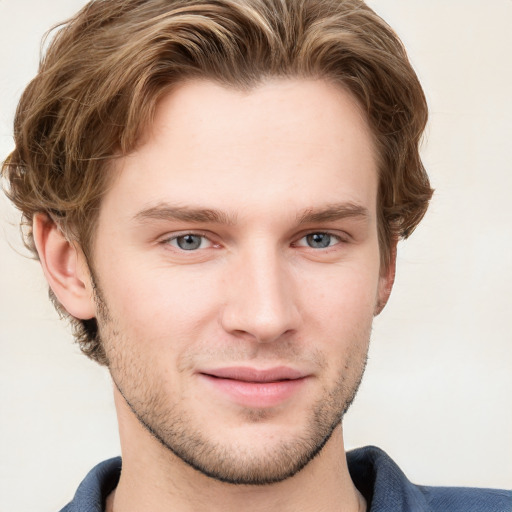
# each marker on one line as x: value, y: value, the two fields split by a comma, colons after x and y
x: 96, y: 91
x: 93, y: 117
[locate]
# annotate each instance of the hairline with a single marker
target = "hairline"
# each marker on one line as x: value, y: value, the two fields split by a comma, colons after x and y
x: 87, y: 243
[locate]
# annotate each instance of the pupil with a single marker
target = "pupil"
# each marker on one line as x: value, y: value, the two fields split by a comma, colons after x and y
x: 319, y: 240
x: 189, y: 242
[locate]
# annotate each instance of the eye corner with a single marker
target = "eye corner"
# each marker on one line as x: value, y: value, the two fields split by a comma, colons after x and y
x: 187, y: 241
x: 321, y: 240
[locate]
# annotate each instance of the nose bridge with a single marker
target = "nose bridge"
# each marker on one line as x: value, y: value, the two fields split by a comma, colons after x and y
x: 261, y: 300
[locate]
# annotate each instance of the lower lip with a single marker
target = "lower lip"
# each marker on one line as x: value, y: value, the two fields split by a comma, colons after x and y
x: 256, y: 394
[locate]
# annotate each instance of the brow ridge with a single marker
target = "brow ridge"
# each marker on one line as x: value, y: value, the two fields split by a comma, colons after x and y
x: 332, y: 212
x: 184, y: 213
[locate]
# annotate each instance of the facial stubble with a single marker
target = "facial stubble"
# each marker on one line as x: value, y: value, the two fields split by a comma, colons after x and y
x: 174, y: 428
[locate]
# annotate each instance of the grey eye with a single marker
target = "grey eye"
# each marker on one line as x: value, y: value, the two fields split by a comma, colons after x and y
x: 318, y: 240
x: 189, y: 242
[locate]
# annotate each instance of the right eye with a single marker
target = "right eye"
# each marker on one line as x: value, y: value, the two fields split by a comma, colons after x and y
x: 189, y: 242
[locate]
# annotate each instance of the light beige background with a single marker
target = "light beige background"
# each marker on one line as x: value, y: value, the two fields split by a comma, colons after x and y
x: 438, y: 388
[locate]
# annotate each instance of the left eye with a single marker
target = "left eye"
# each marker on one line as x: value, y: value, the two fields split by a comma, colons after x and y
x: 189, y: 242
x: 318, y: 240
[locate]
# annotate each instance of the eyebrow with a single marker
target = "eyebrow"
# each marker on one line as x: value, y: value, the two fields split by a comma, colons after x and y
x: 185, y: 214
x: 329, y: 213
x: 334, y: 212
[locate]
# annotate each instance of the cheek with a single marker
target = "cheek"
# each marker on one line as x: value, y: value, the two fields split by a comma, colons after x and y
x: 169, y: 307
x: 338, y: 316
x: 342, y: 294
x: 156, y: 303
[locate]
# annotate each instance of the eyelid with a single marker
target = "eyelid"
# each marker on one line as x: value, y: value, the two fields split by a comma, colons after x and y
x: 342, y: 237
x: 166, y: 239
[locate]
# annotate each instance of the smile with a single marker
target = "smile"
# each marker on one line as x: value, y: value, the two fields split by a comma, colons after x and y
x: 249, y: 387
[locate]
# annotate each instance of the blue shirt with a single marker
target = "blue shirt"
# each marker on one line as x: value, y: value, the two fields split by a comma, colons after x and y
x: 373, y: 472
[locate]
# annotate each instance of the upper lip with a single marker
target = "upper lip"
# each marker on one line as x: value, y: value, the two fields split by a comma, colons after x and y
x: 247, y: 374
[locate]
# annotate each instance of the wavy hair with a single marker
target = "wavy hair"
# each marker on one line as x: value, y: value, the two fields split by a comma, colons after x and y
x: 106, y: 68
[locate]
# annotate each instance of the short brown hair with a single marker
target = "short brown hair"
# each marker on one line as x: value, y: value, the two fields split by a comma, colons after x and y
x: 107, y: 67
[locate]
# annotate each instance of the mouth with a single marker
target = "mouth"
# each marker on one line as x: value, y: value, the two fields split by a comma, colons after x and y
x: 244, y: 374
x: 257, y: 388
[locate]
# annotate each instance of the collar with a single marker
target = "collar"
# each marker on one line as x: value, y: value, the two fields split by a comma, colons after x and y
x: 382, y: 482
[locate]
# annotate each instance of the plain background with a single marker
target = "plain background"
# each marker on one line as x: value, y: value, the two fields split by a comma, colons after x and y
x: 437, y: 392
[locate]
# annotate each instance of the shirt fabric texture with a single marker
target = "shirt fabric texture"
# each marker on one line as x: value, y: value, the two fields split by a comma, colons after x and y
x: 376, y: 476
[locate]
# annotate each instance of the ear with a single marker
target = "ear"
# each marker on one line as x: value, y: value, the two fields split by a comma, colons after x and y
x: 65, y: 268
x: 386, y: 280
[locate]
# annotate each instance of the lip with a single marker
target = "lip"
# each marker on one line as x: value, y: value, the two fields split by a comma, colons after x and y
x: 252, y: 387
x: 248, y: 374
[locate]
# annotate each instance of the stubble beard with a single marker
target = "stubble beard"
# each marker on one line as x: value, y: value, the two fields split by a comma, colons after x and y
x: 171, y: 425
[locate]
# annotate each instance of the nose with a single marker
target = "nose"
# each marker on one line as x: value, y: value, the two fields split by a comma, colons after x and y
x: 261, y: 303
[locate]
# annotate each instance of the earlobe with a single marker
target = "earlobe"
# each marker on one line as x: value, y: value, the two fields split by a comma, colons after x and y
x: 65, y: 268
x: 386, y: 281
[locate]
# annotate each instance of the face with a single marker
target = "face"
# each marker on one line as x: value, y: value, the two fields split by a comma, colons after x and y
x: 237, y: 268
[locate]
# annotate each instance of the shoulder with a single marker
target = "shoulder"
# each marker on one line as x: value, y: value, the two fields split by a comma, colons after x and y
x: 386, y: 488
x: 467, y: 499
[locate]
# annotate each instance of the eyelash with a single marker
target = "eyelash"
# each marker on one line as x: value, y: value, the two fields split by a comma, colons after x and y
x: 338, y: 239
x: 204, y: 236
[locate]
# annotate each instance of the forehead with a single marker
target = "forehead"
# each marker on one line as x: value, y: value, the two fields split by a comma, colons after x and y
x: 286, y: 143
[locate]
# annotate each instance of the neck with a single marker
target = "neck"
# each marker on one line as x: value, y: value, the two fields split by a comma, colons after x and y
x: 153, y: 478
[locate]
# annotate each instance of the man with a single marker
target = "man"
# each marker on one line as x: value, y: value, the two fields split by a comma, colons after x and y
x: 216, y: 201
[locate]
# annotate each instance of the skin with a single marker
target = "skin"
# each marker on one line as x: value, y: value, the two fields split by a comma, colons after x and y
x: 284, y: 273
